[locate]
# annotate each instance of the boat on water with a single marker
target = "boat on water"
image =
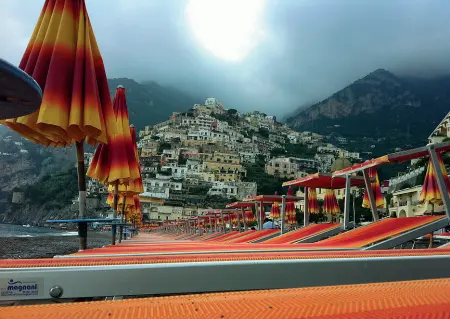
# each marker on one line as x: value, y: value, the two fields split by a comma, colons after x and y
x: 27, y: 225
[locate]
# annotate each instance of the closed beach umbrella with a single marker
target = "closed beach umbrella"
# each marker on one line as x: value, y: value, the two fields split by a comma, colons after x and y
x: 234, y: 219
x: 249, y: 216
x: 430, y: 189
x: 330, y: 203
x: 379, y: 199
x: 313, y: 206
x: 64, y: 59
x: 290, y: 214
x: 275, y: 210
x: 116, y: 162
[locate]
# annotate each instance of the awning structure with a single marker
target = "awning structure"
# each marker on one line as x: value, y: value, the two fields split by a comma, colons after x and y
x: 397, y: 157
x: 240, y: 205
x: 431, y: 150
x: 270, y: 199
x: 324, y: 180
x: 260, y: 201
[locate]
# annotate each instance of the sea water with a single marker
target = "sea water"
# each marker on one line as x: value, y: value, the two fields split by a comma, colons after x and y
x: 8, y: 230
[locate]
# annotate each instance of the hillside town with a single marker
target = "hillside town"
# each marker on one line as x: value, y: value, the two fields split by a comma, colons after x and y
x: 209, y: 156
x: 201, y: 157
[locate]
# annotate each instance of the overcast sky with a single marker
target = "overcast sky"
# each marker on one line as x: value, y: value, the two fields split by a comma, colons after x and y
x: 304, y: 50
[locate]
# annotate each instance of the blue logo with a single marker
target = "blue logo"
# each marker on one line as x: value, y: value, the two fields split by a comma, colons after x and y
x: 20, y: 288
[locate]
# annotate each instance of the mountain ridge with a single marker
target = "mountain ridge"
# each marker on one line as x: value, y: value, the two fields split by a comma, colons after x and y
x: 379, y: 104
x: 149, y: 102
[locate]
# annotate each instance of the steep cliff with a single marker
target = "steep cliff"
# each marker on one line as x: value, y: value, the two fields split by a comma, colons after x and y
x: 379, y: 105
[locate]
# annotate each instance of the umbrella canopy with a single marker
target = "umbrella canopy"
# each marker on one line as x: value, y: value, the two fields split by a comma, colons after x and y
x: 379, y: 199
x: 430, y: 190
x: 275, y: 211
x: 313, y: 206
x: 117, y: 161
x: 290, y: 214
x: 330, y: 204
x: 249, y: 216
x: 134, y: 186
x: 234, y: 219
x: 64, y: 59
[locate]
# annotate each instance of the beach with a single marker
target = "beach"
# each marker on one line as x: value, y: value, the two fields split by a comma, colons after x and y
x: 48, y: 245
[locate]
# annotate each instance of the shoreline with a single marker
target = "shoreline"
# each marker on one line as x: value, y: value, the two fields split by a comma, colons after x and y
x: 48, y: 246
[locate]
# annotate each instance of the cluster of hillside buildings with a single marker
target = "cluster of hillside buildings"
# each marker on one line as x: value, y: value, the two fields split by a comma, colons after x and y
x: 206, y: 151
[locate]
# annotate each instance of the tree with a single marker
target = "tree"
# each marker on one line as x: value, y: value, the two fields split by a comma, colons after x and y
x: 232, y: 112
x: 164, y: 146
x: 264, y: 132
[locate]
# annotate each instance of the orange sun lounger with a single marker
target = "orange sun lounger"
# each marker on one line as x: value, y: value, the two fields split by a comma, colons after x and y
x: 304, y: 232
x: 262, y: 255
x: 407, y: 299
x: 372, y: 233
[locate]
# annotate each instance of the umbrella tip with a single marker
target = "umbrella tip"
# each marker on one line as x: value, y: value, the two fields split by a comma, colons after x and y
x: 120, y: 86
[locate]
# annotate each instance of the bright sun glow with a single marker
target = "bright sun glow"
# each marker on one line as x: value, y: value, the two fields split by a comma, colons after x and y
x: 228, y: 28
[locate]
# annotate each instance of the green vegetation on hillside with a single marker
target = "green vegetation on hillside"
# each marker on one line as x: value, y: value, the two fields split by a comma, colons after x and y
x: 150, y: 103
x: 55, y: 191
x: 294, y: 150
x: 267, y: 184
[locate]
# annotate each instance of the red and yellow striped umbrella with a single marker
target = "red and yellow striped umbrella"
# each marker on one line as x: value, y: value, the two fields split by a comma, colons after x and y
x: 275, y: 211
x: 330, y: 203
x: 117, y: 162
x: 379, y: 199
x: 249, y: 216
x: 64, y: 59
x: 234, y: 219
x: 313, y: 206
x: 430, y: 190
x: 135, y: 186
x: 290, y: 214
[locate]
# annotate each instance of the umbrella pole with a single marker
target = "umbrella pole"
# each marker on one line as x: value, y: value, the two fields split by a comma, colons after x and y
x: 115, y: 204
x: 238, y: 220
x: 243, y: 219
x: 82, y: 226
x: 305, y: 207
x: 283, y: 214
x: 122, y: 220
x: 347, y: 201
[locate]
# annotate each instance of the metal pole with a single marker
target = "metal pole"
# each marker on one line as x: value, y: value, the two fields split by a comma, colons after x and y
x: 82, y: 226
x: 257, y: 213
x: 283, y: 212
x: 440, y: 179
x: 347, y: 201
x: 244, y: 219
x: 223, y: 222
x: 369, y: 191
x: 115, y: 204
x: 238, y: 216
x: 122, y: 219
x: 354, y: 210
x: 306, y: 208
